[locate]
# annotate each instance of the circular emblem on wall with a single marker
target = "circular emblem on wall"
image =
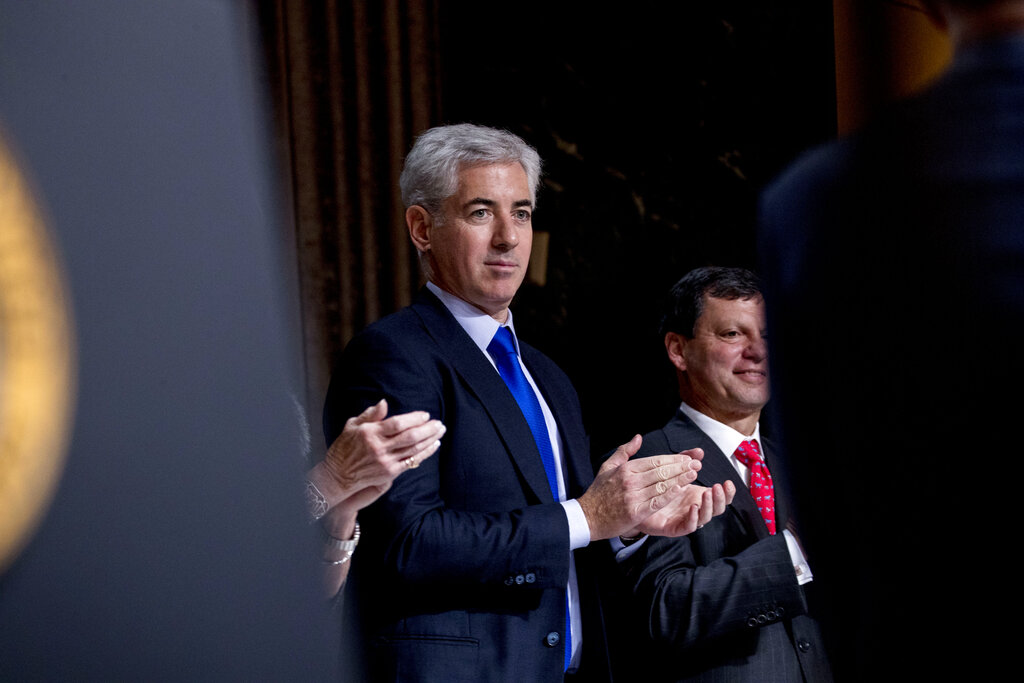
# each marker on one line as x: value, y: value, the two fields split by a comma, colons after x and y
x: 36, y: 363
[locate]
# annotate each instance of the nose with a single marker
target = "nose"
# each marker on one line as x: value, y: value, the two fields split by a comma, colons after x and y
x: 505, y: 235
x: 757, y: 349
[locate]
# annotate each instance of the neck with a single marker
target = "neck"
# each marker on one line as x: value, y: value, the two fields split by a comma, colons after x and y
x: 743, y: 425
x: 744, y: 422
x: 501, y: 315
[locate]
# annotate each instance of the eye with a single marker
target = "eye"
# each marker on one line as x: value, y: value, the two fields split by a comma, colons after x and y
x: 521, y: 215
x: 479, y: 213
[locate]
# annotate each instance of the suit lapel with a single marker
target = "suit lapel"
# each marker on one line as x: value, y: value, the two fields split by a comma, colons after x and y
x: 481, y: 379
x: 715, y: 469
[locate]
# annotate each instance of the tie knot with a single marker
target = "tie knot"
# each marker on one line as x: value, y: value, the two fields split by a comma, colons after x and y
x: 761, y: 486
x: 502, y: 343
x: 748, y: 451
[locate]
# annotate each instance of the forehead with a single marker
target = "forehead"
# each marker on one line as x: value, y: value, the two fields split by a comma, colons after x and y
x: 718, y: 310
x: 493, y: 181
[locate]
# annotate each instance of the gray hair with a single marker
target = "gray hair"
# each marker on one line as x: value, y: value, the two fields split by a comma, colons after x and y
x: 431, y: 172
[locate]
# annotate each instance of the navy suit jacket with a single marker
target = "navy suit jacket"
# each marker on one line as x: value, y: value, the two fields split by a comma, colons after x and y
x: 462, y: 572
x: 893, y: 263
x: 723, y: 603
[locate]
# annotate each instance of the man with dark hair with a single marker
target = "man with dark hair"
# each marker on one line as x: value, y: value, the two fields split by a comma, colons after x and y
x: 895, y: 260
x: 479, y: 563
x: 727, y: 602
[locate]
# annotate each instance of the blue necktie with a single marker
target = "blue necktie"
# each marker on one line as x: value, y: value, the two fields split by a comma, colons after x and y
x: 503, y: 350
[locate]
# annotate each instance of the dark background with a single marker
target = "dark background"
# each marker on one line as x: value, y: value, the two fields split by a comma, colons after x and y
x: 658, y: 124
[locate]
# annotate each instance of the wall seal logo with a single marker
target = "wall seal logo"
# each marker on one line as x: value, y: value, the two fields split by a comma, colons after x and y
x: 36, y: 363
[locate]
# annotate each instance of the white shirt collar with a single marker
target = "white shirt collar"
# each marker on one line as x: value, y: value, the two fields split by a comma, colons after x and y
x: 477, y: 324
x: 725, y: 437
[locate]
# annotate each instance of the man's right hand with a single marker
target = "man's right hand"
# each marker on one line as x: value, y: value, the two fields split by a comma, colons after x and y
x: 626, y: 492
x: 689, y: 512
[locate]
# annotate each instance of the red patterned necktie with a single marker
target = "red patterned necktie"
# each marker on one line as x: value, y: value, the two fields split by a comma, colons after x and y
x: 761, y: 486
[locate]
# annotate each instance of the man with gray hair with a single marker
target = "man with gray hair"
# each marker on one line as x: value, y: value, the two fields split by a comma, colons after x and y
x: 479, y: 564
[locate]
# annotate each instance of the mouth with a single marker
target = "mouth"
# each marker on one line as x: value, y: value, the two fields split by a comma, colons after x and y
x: 752, y: 375
x: 502, y: 265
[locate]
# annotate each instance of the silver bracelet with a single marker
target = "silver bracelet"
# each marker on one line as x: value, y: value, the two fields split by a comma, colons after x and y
x: 316, y: 503
x: 348, y: 546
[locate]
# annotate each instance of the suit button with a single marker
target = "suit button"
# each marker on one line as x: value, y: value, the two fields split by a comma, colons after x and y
x: 520, y: 579
x: 762, y: 619
x: 531, y: 577
x: 803, y: 646
x: 509, y: 581
x: 552, y: 639
x: 751, y: 622
x: 780, y: 611
x: 772, y: 615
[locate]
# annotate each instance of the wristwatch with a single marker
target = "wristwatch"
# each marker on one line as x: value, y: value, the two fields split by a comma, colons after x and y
x: 348, y: 546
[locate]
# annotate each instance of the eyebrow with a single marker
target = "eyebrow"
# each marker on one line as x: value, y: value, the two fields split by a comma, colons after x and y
x: 490, y: 202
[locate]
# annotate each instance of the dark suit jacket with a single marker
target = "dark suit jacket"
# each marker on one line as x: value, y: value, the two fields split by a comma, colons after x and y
x: 462, y: 572
x: 723, y: 604
x: 893, y: 263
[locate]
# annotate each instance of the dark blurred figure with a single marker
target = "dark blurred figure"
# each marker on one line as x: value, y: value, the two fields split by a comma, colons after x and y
x: 727, y: 602
x: 894, y: 263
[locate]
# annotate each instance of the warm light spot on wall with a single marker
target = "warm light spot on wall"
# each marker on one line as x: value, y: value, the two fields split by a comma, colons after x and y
x: 36, y: 364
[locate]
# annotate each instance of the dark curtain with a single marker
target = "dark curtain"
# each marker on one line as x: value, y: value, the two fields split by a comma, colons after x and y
x: 352, y: 83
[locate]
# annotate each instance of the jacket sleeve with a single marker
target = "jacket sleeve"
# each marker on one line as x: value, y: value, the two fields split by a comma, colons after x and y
x: 688, y: 599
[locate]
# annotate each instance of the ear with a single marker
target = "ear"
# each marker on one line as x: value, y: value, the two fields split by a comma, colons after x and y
x: 675, y: 344
x: 420, y: 224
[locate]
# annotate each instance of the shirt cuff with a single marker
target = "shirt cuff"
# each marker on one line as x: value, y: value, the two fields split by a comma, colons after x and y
x: 622, y: 551
x: 579, y: 530
x: 800, y: 566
